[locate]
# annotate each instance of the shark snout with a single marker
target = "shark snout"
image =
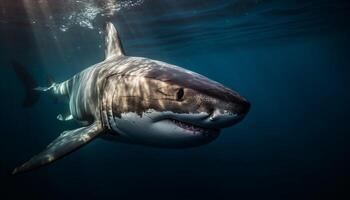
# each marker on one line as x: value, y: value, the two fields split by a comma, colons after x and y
x: 243, y: 107
x: 230, y: 114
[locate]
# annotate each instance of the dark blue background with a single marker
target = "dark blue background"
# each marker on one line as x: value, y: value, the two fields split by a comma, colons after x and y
x: 289, y: 59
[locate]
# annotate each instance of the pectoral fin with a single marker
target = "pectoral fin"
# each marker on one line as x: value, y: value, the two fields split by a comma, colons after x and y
x: 66, y: 143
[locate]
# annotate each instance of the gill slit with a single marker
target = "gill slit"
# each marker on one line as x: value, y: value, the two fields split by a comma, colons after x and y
x: 112, y: 108
x: 103, y: 106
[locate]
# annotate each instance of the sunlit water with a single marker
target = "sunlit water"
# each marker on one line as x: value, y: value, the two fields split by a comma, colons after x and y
x: 289, y: 58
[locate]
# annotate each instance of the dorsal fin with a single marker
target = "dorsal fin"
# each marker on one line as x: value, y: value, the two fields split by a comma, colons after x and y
x: 113, y: 44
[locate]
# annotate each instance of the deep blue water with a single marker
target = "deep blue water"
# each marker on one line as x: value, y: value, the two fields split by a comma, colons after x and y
x: 288, y: 58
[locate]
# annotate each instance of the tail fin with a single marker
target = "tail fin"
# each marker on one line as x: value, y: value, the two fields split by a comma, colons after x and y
x: 32, y: 95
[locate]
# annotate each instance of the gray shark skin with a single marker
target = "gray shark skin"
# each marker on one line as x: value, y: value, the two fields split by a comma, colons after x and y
x: 140, y: 101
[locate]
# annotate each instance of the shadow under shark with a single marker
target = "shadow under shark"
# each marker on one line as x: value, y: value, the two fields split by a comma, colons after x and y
x: 138, y: 100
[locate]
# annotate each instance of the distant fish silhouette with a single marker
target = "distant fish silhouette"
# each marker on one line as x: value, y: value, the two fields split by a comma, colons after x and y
x: 32, y: 96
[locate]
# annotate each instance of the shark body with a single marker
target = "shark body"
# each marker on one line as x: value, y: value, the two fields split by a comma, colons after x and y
x: 141, y: 101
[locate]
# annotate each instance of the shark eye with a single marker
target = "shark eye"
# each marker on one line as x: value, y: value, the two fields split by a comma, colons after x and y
x: 180, y: 94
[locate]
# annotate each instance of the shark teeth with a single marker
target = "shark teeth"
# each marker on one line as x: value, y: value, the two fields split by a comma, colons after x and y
x: 193, y: 128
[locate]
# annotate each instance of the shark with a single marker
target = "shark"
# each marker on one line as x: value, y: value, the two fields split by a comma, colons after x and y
x: 136, y: 100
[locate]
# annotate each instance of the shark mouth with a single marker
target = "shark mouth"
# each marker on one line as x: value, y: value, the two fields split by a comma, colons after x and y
x: 195, y: 129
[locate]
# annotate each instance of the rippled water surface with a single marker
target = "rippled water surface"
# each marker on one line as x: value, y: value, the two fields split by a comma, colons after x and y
x: 289, y: 58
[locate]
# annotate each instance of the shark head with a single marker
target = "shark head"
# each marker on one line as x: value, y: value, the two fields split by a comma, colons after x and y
x: 155, y: 103
x: 159, y: 104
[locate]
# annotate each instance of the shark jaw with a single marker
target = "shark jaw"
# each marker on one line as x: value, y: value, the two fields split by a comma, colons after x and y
x: 164, y: 129
x: 192, y: 128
